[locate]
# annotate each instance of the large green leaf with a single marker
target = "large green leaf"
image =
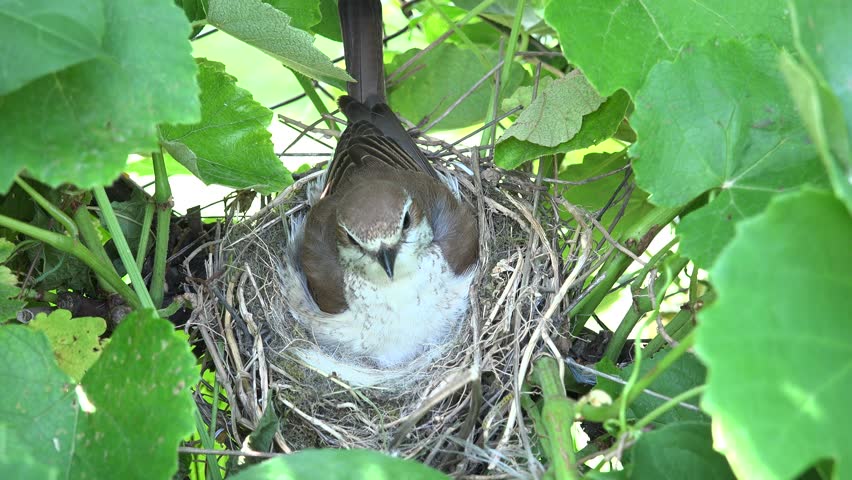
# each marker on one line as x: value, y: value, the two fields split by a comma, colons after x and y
x: 617, y: 42
x: 76, y: 343
x: 819, y: 82
x: 329, y: 25
x: 303, y: 14
x: 79, y: 125
x: 42, y: 36
x: 556, y: 113
x: 134, y: 402
x: 597, y: 126
x: 719, y: 117
x: 677, y: 452
x: 440, y: 77
x: 776, y: 342
x: 339, y: 465
x: 231, y: 145
x: 269, y: 29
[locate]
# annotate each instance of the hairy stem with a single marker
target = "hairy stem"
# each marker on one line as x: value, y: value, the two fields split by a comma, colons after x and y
x: 557, y: 416
x: 163, y: 202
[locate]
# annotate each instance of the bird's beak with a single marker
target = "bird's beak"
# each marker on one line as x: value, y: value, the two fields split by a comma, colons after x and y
x: 386, y: 257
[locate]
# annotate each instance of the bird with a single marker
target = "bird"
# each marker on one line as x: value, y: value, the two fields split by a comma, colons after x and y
x: 386, y: 255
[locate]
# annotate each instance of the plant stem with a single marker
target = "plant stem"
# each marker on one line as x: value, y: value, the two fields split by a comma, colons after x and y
x: 90, y: 237
x: 640, y: 308
x: 208, y: 443
x: 637, y: 239
x: 311, y: 92
x: 122, y: 247
x: 146, y: 232
x: 511, y: 48
x: 668, y: 405
x: 163, y: 201
x: 48, y: 207
x: 633, y: 390
x: 73, y: 247
x: 557, y: 415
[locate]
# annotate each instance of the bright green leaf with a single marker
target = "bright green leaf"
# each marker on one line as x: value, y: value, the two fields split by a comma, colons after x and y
x: 269, y: 30
x: 9, y: 304
x: 339, y: 464
x: 41, y: 37
x: 79, y: 125
x: 303, y: 14
x: 616, y: 42
x: 231, y: 145
x: 719, y: 117
x: 597, y: 127
x: 440, y: 77
x: 133, y: 403
x: 76, y: 342
x: 677, y: 452
x: 776, y: 342
x: 556, y: 114
x: 820, y: 84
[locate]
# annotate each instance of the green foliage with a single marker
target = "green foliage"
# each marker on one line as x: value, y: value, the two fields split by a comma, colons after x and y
x: 675, y: 452
x: 102, y: 428
x: 269, y: 30
x: 79, y: 124
x: 9, y: 305
x: 231, y: 145
x: 775, y: 342
x: 616, y: 43
x: 56, y: 34
x: 439, y: 78
x: 742, y: 137
x: 76, y: 343
x: 339, y: 464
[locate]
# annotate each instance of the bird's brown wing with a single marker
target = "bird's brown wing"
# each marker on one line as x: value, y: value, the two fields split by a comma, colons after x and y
x: 318, y: 257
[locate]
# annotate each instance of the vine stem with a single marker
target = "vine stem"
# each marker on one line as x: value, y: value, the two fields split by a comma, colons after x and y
x: 73, y: 247
x: 147, y: 219
x: 668, y: 405
x: 311, y: 92
x: 48, y: 207
x: 163, y: 201
x: 122, y: 247
x: 557, y: 417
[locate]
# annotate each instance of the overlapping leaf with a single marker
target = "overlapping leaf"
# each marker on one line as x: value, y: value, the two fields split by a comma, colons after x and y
x: 269, y: 29
x: 776, y: 340
x: 80, y: 124
x: 676, y: 452
x: 96, y: 431
x: 9, y: 303
x: 231, y: 145
x: 76, y: 342
x: 617, y: 42
x: 41, y: 37
x: 719, y: 118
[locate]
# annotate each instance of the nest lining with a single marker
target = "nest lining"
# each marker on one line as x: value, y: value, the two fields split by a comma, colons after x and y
x: 458, y: 409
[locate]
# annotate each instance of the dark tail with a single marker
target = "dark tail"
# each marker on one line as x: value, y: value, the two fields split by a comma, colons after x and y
x: 361, y: 22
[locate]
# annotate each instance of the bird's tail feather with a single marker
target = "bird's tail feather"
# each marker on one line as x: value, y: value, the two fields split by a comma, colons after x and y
x: 361, y: 23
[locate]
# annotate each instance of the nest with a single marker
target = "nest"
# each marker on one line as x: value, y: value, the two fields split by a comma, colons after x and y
x: 460, y: 411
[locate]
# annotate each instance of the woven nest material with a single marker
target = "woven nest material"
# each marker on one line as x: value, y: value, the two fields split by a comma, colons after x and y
x: 458, y: 411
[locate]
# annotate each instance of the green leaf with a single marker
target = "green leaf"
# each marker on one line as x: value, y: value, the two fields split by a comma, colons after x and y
x: 676, y: 452
x: 776, y: 341
x: 9, y: 305
x: 556, y: 114
x: 17, y: 462
x: 819, y: 84
x: 231, y: 145
x: 80, y: 124
x: 133, y: 403
x: 594, y: 196
x: 303, y: 14
x: 597, y: 127
x: 440, y: 77
x: 329, y: 25
x: 76, y: 342
x: 42, y: 37
x: 339, y: 464
x: 196, y: 13
x: 269, y: 30
x: 616, y: 42
x: 719, y: 117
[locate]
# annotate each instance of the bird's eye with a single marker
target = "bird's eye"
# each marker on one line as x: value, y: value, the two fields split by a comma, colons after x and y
x: 406, y: 221
x: 351, y: 239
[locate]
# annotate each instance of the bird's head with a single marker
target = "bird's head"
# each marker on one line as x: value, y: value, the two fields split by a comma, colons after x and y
x: 381, y: 229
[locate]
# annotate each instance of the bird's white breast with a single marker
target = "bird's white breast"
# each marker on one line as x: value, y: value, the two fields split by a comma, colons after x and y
x: 391, y: 321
